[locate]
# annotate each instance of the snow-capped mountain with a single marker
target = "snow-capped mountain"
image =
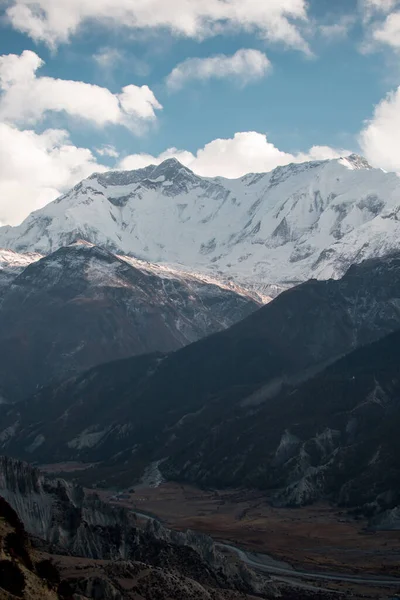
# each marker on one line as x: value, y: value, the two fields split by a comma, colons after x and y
x: 81, y: 306
x: 296, y: 222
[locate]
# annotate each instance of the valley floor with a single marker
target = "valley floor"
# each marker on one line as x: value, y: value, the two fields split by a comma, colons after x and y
x: 319, y: 539
x: 319, y: 536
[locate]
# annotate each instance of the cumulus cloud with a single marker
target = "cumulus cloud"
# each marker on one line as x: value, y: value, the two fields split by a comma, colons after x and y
x: 36, y: 168
x: 380, y: 139
x: 245, y: 66
x: 233, y: 157
x: 26, y: 98
x: 389, y: 31
x: 55, y: 22
x: 381, y: 19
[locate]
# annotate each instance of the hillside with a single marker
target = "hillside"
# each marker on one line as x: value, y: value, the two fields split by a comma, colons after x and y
x: 82, y: 306
x: 88, y: 549
x: 198, y: 407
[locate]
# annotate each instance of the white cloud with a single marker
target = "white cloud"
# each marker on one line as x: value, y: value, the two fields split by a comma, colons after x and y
x: 380, y: 139
x: 244, y: 153
x: 55, y: 22
x: 389, y: 31
x: 382, y: 24
x: 27, y: 98
x: 36, y: 168
x: 245, y: 66
x: 107, y: 150
x: 321, y: 153
x: 138, y: 101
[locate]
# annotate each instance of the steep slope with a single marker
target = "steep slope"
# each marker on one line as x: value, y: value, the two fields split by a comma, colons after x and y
x: 129, y: 413
x: 58, y: 513
x: 334, y: 436
x: 299, y: 221
x: 81, y: 306
x: 21, y: 572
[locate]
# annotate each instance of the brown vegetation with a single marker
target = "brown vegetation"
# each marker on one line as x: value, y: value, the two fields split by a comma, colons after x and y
x: 316, y: 537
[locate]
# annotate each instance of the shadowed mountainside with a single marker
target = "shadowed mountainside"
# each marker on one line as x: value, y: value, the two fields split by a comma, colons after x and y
x: 82, y: 306
x: 207, y: 408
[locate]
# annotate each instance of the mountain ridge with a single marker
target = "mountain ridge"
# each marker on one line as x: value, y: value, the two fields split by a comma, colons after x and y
x: 83, y: 305
x: 194, y: 398
x: 299, y: 221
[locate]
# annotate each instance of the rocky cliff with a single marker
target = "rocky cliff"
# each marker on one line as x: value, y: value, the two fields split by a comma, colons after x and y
x: 70, y: 522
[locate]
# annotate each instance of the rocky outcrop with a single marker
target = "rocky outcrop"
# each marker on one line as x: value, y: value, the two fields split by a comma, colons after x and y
x: 22, y: 573
x: 69, y: 522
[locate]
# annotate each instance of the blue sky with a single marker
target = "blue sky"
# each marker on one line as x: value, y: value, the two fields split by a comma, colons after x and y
x: 306, y: 79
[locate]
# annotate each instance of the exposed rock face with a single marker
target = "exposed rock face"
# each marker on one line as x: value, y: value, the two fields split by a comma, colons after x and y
x: 296, y: 222
x: 169, y: 572
x: 206, y: 409
x: 20, y: 568
x: 82, y: 306
x: 59, y: 513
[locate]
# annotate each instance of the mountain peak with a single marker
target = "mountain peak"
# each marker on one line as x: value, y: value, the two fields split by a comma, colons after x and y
x: 80, y: 242
x: 171, y: 162
x: 314, y: 219
x: 169, y: 168
x: 355, y: 161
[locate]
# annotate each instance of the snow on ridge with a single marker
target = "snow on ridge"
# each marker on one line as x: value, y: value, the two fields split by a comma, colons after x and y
x: 81, y: 243
x: 174, y: 272
x: 10, y: 258
x: 355, y: 161
x: 297, y: 222
x: 13, y: 263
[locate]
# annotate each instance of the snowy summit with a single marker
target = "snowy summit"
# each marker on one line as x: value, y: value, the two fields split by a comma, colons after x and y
x: 294, y: 223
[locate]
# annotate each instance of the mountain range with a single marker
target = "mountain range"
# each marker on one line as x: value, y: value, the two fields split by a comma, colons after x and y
x: 137, y: 333
x: 265, y: 403
x: 297, y: 222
